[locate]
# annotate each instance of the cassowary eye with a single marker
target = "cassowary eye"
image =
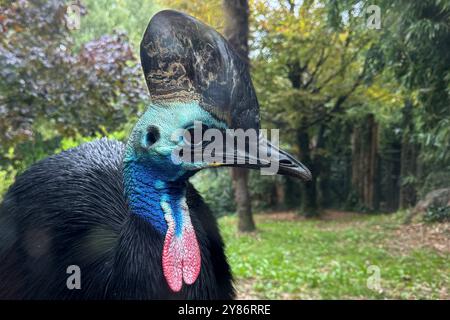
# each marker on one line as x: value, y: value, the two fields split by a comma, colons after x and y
x: 152, y: 136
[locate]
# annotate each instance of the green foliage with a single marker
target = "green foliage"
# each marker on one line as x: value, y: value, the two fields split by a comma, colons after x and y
x: 215, y: 187
x: 72, y: 142
x: 44, y: 79
x: 107, y: 16
x: 24, y: 154
x: 7, y: 177
x: 210, y: 12
x: 262, y: 191
x: 437, y: 214
x: 437, y: 179
x: 304, y: 70
x: 414, y: 49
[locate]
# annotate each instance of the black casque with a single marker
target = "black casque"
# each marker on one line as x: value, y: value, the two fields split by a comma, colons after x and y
x: 186, y: 60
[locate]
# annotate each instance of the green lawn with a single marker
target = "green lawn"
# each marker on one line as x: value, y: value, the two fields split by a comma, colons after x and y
x: 326, y: 259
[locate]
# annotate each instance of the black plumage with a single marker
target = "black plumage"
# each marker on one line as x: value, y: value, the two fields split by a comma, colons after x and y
x: 70, y: 209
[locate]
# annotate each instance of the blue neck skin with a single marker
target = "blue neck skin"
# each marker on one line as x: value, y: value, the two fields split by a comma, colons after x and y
x: 146, y: 189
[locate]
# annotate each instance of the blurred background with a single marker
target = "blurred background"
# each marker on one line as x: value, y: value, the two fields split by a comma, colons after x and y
x: 358, y: 89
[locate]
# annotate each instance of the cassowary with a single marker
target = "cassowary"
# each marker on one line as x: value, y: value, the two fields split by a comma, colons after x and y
x: 126, y: 215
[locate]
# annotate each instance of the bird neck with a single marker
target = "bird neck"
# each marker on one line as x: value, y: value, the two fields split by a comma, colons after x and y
x: 152, y: 198
x: 163, y: 204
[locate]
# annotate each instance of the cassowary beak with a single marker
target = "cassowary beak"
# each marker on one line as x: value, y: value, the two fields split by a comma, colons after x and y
x: 256, y: 153
x: 286, y: 163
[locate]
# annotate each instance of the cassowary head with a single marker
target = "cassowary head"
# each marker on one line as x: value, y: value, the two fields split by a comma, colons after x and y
x: 200, y: 91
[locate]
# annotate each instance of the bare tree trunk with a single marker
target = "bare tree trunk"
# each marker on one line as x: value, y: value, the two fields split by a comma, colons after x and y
x: 309, y: 193
x: 322, y: 171
x: 390, y: 176
x: 242, y: 198
x: 408, y: 161
x: 236, y: 31
x: 236, y: 25
x: 280, y: 193
x: 365, y: 163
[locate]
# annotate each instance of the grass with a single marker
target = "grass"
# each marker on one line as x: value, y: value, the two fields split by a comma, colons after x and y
x: 317, y: 259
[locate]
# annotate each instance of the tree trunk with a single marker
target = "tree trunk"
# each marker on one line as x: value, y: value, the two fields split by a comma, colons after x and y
x: 308, y: 194
x: 390, y: 176
x: 236, y: 31
x: 321, y: 171
x: 280, y: 193
x: 408, y: 160
x: 365, y: 163
x: 236, y: 25
x: 242, y: 198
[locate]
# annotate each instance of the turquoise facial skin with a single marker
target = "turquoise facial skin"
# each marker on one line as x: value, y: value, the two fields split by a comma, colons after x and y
x: 170, y: 119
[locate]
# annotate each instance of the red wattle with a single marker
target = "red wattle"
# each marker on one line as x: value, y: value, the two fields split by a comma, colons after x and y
x: 172, y: 260
x: 181, y: 259
x: 192, y: 258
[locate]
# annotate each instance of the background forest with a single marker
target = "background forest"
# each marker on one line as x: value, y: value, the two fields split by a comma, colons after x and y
x: 360, y: 91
